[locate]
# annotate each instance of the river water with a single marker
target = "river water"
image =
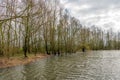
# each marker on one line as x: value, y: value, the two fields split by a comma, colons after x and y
x: 94, y: 65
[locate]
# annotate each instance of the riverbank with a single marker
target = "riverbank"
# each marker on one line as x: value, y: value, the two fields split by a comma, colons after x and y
x: 14, y: 61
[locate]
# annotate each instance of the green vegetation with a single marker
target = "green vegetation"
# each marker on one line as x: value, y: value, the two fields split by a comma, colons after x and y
x: 43, y: 26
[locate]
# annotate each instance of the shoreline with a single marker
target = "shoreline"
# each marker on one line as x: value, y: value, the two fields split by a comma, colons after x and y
x: 16, y: 61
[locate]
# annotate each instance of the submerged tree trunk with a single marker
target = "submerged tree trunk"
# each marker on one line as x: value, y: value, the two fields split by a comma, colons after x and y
x: 83, y: 49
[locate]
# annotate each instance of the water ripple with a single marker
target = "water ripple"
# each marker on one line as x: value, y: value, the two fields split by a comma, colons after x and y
x: 95, y: 65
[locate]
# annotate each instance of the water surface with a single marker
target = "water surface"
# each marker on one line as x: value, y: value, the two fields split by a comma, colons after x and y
x: 94, y: 65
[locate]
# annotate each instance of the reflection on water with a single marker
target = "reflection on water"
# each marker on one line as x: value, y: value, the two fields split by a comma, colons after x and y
x: 95, y: 65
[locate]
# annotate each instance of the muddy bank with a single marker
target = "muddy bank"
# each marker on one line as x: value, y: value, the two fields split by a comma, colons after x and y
x: 14, y: 61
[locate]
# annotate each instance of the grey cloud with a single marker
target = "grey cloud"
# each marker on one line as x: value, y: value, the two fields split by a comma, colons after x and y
x: 92, y: 15
x: 96, y: 5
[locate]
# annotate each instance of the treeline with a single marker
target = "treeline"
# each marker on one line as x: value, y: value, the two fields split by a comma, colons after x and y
x: 44, y: 26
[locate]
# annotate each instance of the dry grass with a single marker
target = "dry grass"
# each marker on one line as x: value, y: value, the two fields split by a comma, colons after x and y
x: 18, y: 60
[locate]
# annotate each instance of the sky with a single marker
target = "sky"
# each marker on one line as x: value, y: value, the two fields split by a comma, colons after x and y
x: 102, y: 13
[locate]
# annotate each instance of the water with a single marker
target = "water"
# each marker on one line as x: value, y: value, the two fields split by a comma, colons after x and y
x: 94, y: 65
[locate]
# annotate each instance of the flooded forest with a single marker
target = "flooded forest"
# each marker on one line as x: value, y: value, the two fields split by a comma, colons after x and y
x: 42, y: 40
x: 43, y: 26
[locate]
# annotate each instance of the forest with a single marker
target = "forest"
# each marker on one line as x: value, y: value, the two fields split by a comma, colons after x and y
x: 45, y: 26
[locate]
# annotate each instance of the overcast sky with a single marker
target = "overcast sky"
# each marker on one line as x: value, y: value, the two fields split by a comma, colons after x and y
x: 103, y: 13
